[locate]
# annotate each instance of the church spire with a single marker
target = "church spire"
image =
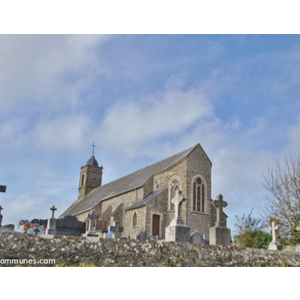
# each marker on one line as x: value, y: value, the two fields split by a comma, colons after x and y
x: 90, y: 176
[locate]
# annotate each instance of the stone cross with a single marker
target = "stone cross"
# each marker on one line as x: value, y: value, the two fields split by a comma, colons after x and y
x: 92, y: 218
x: 3, y: 188
x: 116, y: 229
x: 36, y: 230
x: 273, y: 229
x: 53, y: 208
x: 219, y: 204
x: 177, y: 200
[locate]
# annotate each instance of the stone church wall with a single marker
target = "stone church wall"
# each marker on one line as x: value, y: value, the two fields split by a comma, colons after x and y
x: 29, y: 250
x: 129, y: 230
x: 198, y: 163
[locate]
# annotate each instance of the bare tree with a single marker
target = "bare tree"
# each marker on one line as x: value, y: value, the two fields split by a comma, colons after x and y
x: 282, y: 202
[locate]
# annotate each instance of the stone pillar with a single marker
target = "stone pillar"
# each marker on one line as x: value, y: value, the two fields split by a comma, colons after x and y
x: 51, y: 226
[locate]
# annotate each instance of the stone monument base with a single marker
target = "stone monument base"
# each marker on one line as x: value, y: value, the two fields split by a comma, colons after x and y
x: 177, y: 233
x: 274, y: 246
x: 90, y: 233
x: 219, y: 236
x: 51, y: 227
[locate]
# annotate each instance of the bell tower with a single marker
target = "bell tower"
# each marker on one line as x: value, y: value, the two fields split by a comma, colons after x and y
x: 90, y: 176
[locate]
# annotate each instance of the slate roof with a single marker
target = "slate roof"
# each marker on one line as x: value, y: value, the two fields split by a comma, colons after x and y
x: 92, y: 161
x: 125, y: 184
x: 146, y: 200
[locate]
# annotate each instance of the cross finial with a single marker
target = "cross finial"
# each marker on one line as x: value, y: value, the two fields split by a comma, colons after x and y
x: 53, y: 208
x: 93, y: 145
x: 274, y: 228
x: 219, y: 204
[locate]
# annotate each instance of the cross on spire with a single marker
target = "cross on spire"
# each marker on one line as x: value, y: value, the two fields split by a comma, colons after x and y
x: 93, y: 145
x: 53, y: 208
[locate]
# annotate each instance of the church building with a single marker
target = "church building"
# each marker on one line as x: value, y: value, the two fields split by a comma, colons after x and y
x: 141, y: 202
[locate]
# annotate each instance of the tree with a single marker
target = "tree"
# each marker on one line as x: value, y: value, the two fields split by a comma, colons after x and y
x: 282, y: 202
x: 250, y: 232
x: 248, y: 224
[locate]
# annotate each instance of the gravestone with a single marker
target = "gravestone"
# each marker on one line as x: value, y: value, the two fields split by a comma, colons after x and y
x: 102, y: 225
x: 51, y: 225
x: 177, y: 231
x: 274, y: 245
x: 108, y: 235
x: 116, y: 229
x: 37, y: 229
x: 92, y: 217
x: 142, y: 236
x: 69, y: 225
x: 219, y: 234
x: 196, y: 238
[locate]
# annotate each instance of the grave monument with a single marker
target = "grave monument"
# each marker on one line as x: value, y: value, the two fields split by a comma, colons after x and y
x: 114, y: 231
x: 177, y: 231
x: 92, y: 218
x: 51, y: 225
x: 219, y: 234
x: 274, y: 245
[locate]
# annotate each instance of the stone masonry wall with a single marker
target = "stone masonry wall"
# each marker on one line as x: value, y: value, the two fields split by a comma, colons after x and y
x: 25, y: 250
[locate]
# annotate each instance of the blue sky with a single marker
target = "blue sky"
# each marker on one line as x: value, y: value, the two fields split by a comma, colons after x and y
x: 142, y: 98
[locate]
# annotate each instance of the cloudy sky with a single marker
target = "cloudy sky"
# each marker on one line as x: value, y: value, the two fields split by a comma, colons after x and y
x: 142, y: 98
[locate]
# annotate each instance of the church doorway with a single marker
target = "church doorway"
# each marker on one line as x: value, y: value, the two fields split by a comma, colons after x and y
x: 155, y: 224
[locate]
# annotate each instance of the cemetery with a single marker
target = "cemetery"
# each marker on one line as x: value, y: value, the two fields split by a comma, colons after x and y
x: 69, y: 242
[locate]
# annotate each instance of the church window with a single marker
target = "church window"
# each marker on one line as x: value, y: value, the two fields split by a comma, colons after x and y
x: 82, y: 179
x: 134, y: 220
x: 198, y: 195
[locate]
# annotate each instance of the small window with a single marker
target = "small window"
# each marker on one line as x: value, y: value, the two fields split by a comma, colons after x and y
x: 134, y: 220
x: 82, y: 179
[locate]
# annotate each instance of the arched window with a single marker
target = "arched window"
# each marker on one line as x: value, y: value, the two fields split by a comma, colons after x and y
x: 134, y: 220
x: 174, y: 184
x: 198, y: 195
x: 82, y: 179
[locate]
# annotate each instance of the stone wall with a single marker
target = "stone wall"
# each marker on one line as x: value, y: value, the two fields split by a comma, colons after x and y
x: 24, y: 250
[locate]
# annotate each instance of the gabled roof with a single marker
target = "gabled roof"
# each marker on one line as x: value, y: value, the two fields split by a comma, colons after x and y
x: 146, y: 200
x: 126, y: 183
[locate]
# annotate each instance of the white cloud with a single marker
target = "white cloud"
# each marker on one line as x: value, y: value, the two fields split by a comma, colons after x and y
x: 65, y: 132
x: 130, y: 125
x: 47, y: 71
